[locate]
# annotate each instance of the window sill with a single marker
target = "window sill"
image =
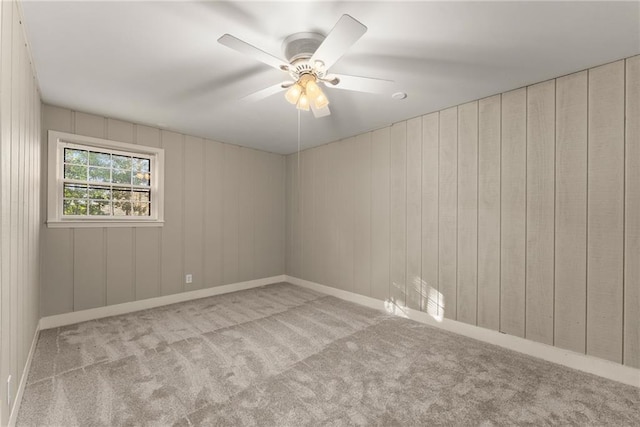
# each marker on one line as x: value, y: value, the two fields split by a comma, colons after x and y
x: 103, y: 224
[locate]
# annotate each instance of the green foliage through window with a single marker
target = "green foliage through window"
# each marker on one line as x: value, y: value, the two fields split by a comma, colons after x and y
x: 105, y: 184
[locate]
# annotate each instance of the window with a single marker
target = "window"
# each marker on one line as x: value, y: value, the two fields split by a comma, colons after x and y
x: 96, y: 182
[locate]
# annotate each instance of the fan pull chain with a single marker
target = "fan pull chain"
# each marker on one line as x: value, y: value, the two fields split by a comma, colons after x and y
x: 298, y: 168
x: 299, y: 203
x: 300, y: 206
x: 298, y: 152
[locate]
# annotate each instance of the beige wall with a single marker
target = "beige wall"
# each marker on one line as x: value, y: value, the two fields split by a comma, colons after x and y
x: 224, y: 223
x: 19, y: 203
x: 519, y: 213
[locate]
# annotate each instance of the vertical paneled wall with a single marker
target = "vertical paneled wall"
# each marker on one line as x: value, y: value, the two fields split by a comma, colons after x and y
x: 519, y: 213
x: 19, y: 203
x: 224, y: 223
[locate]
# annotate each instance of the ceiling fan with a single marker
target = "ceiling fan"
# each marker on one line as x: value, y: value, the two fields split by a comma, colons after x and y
x: 309, y: 57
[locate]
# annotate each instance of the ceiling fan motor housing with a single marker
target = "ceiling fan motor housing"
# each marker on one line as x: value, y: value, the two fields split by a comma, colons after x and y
x: 301, y: 46
x: 302, y: 67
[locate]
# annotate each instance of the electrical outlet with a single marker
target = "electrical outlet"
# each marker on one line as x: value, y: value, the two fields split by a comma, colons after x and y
x: 9, y: 391
x: 188, y: 278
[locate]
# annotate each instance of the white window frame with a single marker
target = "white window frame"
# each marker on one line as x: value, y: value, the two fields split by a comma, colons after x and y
x: 58, y: 141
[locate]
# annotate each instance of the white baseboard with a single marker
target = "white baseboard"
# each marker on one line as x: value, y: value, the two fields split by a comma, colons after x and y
x: 593, y: 365
x: 13, y: 416
x: 129, y: 307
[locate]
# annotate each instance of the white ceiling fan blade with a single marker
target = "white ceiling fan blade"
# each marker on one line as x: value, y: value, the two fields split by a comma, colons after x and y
x: 243, y: 47
x: 266, y: 92
x: 359, y: 84
x: 320, y: 112
x: 345, y: 33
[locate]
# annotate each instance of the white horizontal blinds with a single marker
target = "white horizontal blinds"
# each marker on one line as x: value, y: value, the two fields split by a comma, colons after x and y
x: 99, y: 182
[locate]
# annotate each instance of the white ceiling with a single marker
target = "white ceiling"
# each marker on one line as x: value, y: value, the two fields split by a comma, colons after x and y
x: 158, y: 63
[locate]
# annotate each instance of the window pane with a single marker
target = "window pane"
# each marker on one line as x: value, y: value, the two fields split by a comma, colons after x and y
x: 142, y: 178
x: 75, y: 172
x: 141, y: 165
x: 99, y: 174
x: 121, y: 162
x: 141, y: 196
x: 122, y: 208
x: 78, y: 157
x: 75, y: 191
x: 121, y: 194
x: 141, y: 209
x: 121, y: 176
x: 100, y: 193
x: 74, y: 207
x: 97, y: 207
x: 99, y: 159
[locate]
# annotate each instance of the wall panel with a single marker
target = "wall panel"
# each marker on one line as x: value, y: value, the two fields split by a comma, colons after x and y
x: 467, y: 213
x: 90, y: 125
x: 380, y: 210
x: 307, y: 225
x: 513, y: 223
x: 213, y: 210
x: 294, y: 259
x: 147, y: 257
x: 605, y: 217
x: 321, y: 239
x: 19, y: 134
x: 361, y: 215
x: 89, y: 287
x: 332, y: 214
x: 398, y: 213
x: 571, y: 212
x: 414, y: 213
x: 119, y: 268
x: 57, y: 265
x: 230, y: 221
x: 147, y: 240
x: 631, y: 355
x: 172, y: 255
x: 345, y: 208
x: 489, y: 203
x: 430, y: 209
x: 540, y: 212
x: 193, y: 203
x: 117, y: 130
x: 246, y: 211
x: 277, y: 179
x: 262, y: 217
x: 448, y: 214
x: 12, y: 212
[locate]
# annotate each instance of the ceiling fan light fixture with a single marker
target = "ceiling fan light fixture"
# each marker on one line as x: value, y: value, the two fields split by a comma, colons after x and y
x: 321, y: 101
x: 312, y: 89
x: 303, y: 103
x: 293, y: 94
x: 306, y: 92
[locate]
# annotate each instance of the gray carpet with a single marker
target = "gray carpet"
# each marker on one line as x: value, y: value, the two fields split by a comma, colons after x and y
x: 281, y: 355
